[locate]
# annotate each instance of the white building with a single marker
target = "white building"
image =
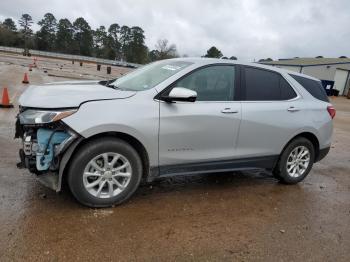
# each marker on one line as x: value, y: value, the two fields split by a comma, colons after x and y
x: 334, y: 72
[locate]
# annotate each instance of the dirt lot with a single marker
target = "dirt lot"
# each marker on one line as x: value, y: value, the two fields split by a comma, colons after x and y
x: 215, y: 217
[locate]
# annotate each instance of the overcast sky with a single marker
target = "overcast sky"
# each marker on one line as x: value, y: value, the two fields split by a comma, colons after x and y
x: 249, y: 29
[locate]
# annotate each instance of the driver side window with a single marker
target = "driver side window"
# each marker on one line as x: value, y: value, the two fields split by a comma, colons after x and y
x: 213, y: 83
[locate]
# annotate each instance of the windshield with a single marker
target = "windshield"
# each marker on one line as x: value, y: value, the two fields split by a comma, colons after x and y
x: 150, y: 75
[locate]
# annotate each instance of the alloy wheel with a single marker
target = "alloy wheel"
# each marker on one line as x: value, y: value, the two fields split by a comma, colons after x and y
x: 107, y: 175
x: 298, y: 161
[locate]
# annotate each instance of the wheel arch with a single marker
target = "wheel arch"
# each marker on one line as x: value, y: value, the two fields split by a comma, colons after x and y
x: 311, y: 137
x: 134, y: 142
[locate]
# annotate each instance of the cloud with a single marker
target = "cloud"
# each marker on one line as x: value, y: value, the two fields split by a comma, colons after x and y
x: 249, y: 29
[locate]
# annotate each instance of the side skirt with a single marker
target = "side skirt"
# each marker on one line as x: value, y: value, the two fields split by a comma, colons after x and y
x: 266, y: 162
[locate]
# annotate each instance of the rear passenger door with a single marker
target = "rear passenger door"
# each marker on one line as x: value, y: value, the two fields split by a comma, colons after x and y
x: 270, y: 113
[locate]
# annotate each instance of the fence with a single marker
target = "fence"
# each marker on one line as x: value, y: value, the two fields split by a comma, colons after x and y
x: 68, y: 57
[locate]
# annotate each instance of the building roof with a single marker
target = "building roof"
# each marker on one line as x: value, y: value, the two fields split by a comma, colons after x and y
x: 308, y: 61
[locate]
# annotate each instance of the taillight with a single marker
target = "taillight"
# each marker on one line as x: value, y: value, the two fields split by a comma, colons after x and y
x: 331, y: 111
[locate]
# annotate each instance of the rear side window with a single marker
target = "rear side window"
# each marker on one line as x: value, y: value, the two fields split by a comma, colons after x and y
x: 263, y: 85
x: 287, y: 92
x: 314, y: 87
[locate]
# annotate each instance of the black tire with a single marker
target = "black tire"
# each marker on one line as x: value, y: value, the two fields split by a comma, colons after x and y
x: 92, y: 149
x: 280, y: 171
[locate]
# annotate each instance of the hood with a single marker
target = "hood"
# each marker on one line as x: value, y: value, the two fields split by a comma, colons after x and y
x: 69, y: 94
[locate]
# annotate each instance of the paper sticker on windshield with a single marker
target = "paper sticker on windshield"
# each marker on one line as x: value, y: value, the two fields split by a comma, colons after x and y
x: 171, y: 67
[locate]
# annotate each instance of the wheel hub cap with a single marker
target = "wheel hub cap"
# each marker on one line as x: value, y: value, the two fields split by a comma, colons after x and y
x: 107, y: 175
x: 298, y: 161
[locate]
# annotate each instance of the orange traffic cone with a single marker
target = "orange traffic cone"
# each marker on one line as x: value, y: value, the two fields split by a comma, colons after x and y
x: 5, y: 102
x: 25, y: 79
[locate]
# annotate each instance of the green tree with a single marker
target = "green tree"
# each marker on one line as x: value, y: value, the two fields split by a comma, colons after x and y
x: 8, y: 33
x: 153, y: 55
x: 45, y: 37
x: 8, y: 37
x: 110, y: 51
x: 26, y: 22
x: 9, y: 24
x: 233, y: 58
x: 125, y: 39
x: 137, y: 50
x: 113, y: 44
x: 114, y: 30
x: 122, y: 43
x: 163, y: 50
x: 83, y: 36
x: 100, y: 39
x: 64, y: 36
x: 265, y: 60
x: 106, y: 44
x: 213, y: 52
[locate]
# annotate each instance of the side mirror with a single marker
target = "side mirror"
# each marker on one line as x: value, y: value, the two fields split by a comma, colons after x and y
x: 181, y: 94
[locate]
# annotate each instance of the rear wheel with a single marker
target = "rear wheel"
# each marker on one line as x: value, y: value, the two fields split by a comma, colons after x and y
x: 104, y: 172
x: 295, y: 161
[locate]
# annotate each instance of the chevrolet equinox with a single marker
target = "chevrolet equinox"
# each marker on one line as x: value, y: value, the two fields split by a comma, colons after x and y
x: 178, y: 116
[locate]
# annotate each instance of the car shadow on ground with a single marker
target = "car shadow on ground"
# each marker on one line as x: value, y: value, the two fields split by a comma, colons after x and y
x: 184, y: 184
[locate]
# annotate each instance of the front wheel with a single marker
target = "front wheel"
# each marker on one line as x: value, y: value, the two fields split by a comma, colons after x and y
x: 295, y: 161
x: 104, y: 172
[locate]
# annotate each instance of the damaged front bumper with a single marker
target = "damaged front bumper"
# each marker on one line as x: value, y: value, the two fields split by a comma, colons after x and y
x: 44, y: 147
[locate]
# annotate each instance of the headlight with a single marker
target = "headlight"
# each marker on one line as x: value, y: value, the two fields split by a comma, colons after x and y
x: 31, y: 116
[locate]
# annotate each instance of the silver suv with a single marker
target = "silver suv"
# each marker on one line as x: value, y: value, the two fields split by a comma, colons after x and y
x: 177, y: 116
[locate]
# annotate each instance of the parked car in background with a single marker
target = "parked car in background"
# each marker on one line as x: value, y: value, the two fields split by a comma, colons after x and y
x: 177, y: 116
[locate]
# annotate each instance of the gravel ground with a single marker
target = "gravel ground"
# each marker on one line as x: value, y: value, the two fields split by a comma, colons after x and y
x: 241, y: 216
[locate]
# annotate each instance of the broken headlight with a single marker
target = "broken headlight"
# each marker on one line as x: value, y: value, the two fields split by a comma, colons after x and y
x: 31, y: 116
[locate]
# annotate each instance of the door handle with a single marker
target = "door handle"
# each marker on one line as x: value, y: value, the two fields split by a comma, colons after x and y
x: 229, y: 111
x: 293, y: 109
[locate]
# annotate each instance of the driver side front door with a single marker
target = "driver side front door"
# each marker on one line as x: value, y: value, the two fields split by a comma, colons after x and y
x: 202, y: 134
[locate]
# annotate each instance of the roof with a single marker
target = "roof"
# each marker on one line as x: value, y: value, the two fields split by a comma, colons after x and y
x: 201, y: 61
x: 308, y: 61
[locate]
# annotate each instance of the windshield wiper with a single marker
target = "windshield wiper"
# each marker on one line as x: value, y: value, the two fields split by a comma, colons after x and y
x: 108, y: 83
x: 112, y: 86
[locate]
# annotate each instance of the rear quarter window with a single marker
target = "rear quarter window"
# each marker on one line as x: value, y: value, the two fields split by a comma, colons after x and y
x: 265, y: 85
x: 287, y: 92
x: 314, y: 87
x: 261, y: 85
